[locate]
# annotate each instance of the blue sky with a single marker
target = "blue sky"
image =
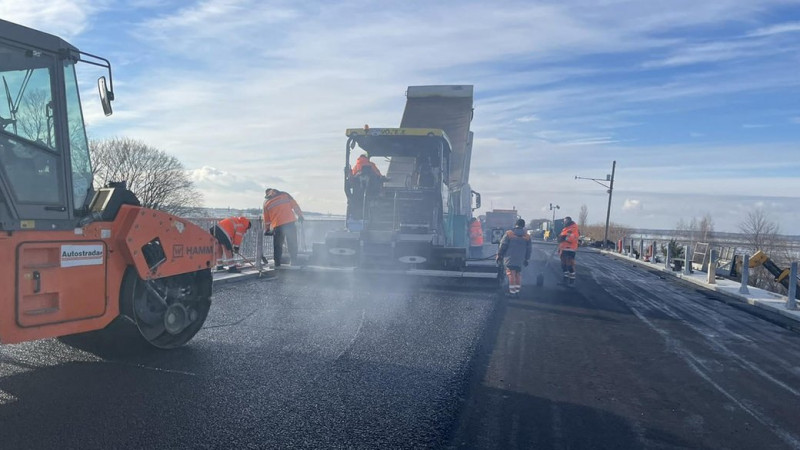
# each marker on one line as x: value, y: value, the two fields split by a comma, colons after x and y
x: 698, y: 102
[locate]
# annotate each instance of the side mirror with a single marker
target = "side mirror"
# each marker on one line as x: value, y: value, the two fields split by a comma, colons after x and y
x: 477, y: 200
x: 106, y: 96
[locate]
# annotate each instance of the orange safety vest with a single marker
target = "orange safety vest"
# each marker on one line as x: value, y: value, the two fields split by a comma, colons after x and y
x: 235, y: 228
x: 280, y: 210
x: 571, y: 242
x: 475, y: 234
x: 362, y: 162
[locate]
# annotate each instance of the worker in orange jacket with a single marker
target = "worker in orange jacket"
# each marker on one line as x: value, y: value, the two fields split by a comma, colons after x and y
x: 363, y: 162
x: 567, y: 248
x: 229, y: 234
x: 475, y: 238
x: 281, y: 212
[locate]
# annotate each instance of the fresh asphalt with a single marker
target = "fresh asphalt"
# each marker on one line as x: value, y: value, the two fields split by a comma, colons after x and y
x: 625, y: 359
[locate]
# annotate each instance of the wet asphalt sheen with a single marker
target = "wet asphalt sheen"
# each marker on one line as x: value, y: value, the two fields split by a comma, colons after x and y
x: 296, y: 362
x: 629, y: 359
x: 626, y: 359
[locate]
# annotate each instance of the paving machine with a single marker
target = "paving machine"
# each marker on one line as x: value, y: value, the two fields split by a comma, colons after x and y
x: 415, y: 218
x: 76, y: 259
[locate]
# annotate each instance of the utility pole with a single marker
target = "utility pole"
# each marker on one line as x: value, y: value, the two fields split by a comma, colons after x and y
x: 554, y: 208
x: 610, y: 190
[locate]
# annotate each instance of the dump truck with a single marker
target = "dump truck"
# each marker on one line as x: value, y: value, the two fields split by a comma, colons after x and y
x: 497, y: 222
x: 76, y: 258
x: 416, y: 216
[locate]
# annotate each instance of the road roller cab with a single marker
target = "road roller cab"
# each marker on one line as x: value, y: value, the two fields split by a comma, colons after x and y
x: 75, y: 259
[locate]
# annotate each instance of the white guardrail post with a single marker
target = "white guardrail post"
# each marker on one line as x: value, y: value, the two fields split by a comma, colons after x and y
x: 791, y: 300
x: 745, y: 275
x: 668, y: 259
x: 712, y: 267
x: 687, y: 263
x: 259, y: 248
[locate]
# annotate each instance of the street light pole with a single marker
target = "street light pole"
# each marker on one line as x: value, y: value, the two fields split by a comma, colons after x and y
x: 554, y: 208
x: 610, y: 190
x: 608, y: 210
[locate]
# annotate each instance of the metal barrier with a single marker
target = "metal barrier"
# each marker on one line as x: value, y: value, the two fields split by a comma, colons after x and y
x: 255, y: 245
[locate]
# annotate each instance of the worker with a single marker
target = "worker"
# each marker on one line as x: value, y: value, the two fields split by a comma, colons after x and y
x: 515, y: 252
x: 567, y: 247
x: 475, y: 238
x: 364, y: 162
x: 281, y: 212
x: 229, y: 234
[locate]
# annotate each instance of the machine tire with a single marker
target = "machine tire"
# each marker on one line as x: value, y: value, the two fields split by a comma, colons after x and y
x: 149, y: 318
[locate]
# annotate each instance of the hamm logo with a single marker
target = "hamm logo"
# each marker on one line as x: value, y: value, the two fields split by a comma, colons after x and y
x: 82, y: 255
x: 200, y: 250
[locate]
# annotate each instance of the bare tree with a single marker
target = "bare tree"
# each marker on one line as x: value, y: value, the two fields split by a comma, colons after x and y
x: 35, y: 117
x: 582, y: 217
x: 157, y: 178
x: 761, y: 233
x: 695, y: 230
x: 706, y: 228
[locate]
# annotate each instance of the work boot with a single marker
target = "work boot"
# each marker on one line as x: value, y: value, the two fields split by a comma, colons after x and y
x: 220, y: 267
x: 233, y: 269
x: 264, y: 260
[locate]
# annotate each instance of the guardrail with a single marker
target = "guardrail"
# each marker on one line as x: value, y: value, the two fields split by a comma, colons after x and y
x: 255, y: 245
x: 710, y: 259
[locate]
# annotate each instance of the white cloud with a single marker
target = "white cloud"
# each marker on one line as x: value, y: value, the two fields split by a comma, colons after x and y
x: 631, y: 205
x: 223, y: 188
x: 263, y: 91
x: 63, y: 18
x: 789, y: 27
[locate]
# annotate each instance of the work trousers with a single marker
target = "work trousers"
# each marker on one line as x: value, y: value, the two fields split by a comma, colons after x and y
x: 568, y: 263
x: 514, y: 275
x: 287, y: 231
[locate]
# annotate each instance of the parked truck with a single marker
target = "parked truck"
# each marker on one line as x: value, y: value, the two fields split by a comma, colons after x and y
x: 497, y: 222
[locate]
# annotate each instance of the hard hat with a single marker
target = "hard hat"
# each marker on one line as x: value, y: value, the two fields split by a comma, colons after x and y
x: 365, y: 154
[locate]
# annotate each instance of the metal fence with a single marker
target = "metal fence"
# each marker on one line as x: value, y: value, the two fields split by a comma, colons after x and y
x: 255, y: 245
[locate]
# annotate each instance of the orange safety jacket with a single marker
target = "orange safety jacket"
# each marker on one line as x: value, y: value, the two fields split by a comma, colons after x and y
x: 475, y: 234
x: 280, y: 210
x: 235, y: 228
x: 571, y: 234
x: 362, y: 162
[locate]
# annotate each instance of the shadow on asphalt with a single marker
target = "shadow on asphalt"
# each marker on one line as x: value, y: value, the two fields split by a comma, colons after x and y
x: 492, y: 417
x: 542, y: 307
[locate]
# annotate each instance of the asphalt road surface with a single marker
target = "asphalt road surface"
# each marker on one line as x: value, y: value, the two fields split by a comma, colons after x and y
x: 295, y: 362
x: 625, y: 359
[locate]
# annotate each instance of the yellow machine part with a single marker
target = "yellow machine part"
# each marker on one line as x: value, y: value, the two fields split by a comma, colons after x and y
x: 758, y: 259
